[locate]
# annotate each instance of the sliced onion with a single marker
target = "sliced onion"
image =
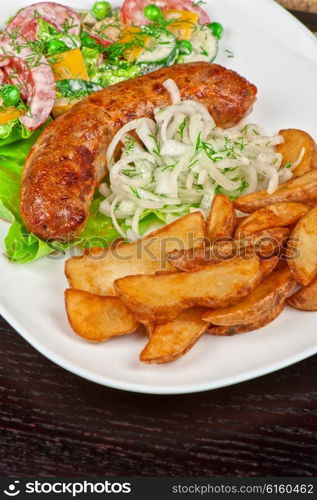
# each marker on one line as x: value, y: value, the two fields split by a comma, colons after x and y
x: 175, y: 148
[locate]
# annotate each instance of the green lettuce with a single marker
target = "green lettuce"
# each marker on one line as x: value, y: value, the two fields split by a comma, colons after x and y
x: 108, y: 73
x: 21, y: 246
x: 90, y: 57
x: 45, y: 30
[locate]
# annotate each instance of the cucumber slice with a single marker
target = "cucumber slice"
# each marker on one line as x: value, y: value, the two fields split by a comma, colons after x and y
x: 205, y: 46
x: 75, y: 89
x: 160, y: 52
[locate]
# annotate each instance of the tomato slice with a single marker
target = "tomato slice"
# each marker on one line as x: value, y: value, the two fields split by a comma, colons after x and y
x: 132, y: 10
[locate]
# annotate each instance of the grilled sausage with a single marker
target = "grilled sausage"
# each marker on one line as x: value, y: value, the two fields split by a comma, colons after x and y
x: 68, y: 161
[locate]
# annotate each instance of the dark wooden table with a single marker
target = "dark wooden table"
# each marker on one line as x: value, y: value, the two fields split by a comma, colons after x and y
x: 56, y: 424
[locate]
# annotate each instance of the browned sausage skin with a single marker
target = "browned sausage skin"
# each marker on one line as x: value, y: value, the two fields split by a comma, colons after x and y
x: 67, y: 163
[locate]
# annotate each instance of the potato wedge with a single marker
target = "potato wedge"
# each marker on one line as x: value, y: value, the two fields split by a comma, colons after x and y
x: 98, y: 318
x: 266, y: 296
x: 294, y: 142
x: 222, y: 218
x: 169, y: 341
x: 264, y: 244
x: 96, y: 271
x: 277, y: 215
x: 160, y: 298
x: 301, y: 189
x: 303, y: 242
x: 264, y: 320
x: 305, y: 298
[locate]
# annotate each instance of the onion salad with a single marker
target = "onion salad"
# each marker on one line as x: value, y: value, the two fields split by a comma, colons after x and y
x: 181, y: 160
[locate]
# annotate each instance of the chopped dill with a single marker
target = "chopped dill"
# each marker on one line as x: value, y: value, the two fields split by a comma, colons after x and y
x: 135, y: 192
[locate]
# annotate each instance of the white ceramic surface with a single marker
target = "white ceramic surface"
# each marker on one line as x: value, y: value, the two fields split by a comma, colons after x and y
x: 274, y: 51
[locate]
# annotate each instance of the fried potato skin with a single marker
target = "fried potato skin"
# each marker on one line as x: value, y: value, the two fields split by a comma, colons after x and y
x: 97, y: 318
x: 222, y: 218
x: 233, y: 330
x: 263, y: 244
x: 169, y: 341
x: 95, y: 272
x: 160, y: 298
x: 304, y: 242
x: 273, y: 290
x: 305, y: 298
x: 302, y: 189
x: 290, y: 149
x: 277, y: 215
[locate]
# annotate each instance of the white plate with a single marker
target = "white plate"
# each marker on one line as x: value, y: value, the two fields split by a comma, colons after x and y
x: 279, y: 55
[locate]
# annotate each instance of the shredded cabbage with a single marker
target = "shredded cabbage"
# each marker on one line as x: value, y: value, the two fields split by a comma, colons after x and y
x: 182, y: 160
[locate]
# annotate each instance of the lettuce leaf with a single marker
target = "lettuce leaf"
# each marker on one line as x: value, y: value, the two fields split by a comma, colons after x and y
x: 12, y: 158
x: 45, y: 30
x: 91, y: 57
x: 23, y: 246
x: 13, y: 131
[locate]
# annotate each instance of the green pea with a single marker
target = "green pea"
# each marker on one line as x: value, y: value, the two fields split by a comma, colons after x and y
x: 185, y: 47
x: 216, y: 29
x: 101, y: 10
x: 88, y: 41
x: 10, y: 95
x: 152, y: 12
x: 55, y: 46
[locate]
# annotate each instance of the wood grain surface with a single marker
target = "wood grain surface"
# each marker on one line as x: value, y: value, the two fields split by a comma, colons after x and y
x: 56, y: 424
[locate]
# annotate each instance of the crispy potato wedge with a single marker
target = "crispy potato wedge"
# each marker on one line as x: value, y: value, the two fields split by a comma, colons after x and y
x: 303, y: 264
x: 263, y: 244
x: 160, y: 298
x: 240, y: 220
x: 96, y: 271
x: 266, y: 296
x: 264, y: 320
x: 294, y: 142
x: 305, y: 298
x: 169, y: 341
x: 277, y: 215
x: 98, y: 318
x: 301, y: 189
x: 222, y: 218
